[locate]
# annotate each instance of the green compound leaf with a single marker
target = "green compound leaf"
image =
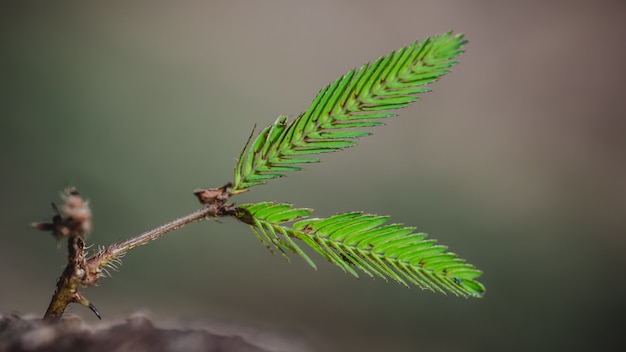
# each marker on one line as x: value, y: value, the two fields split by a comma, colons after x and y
x: 358, y: 99
x: 356, y: 241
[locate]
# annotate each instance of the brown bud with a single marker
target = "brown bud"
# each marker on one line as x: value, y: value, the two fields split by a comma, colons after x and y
x: 73, y: 218
x: 213, y: 195
x: 77, y: 211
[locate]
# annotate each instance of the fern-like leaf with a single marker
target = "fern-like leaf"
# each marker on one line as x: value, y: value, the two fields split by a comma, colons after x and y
x: 356, y: 241
x: 358, y: 99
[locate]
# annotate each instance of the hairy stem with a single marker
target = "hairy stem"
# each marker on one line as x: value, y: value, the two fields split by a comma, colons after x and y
x: 119, y: 249
x: 69, y: 281
x: 84, y: 273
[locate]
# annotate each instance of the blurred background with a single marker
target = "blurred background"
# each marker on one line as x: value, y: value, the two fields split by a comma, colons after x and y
x: 516, y: 161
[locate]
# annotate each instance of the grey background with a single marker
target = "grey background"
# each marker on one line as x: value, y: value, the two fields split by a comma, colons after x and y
x: 516, y: 161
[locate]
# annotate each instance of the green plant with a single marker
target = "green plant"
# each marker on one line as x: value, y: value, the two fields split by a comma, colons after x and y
x: 353, y: 241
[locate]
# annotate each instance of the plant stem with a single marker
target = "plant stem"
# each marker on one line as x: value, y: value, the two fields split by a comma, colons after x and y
x: 85, y: 273
x: 119, y: 249
x: 67, y: 285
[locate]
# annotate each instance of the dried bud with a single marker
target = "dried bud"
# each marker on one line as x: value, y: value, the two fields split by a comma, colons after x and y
x: 77, y: 211
x: 213, y: 195
x: 72, y: 219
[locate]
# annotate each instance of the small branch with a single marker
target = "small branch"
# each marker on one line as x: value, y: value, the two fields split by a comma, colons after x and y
x: 74, y: 220
x: 119, y: 249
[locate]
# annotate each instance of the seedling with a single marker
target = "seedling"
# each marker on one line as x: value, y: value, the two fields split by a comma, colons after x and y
x: 354, y: 241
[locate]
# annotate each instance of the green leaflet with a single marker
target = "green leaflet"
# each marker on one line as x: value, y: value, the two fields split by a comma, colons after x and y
x: 356, y: 100
x: 356, y: 241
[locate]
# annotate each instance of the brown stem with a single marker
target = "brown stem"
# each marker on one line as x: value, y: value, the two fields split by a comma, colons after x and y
x: 119, y: 249
x: 73, y: 221
x: 67, y: 285
x: 81, y: 272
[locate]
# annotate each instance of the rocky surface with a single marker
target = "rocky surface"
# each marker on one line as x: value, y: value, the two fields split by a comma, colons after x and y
x: 137, y: 333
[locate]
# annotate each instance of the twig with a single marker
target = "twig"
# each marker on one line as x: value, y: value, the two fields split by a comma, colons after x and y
x: 73, y: 220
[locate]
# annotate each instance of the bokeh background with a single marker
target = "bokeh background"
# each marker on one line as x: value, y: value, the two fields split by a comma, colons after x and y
x: 517, y: 161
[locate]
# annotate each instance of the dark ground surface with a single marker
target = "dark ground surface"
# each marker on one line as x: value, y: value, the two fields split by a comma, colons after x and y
x: 137, y: 333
